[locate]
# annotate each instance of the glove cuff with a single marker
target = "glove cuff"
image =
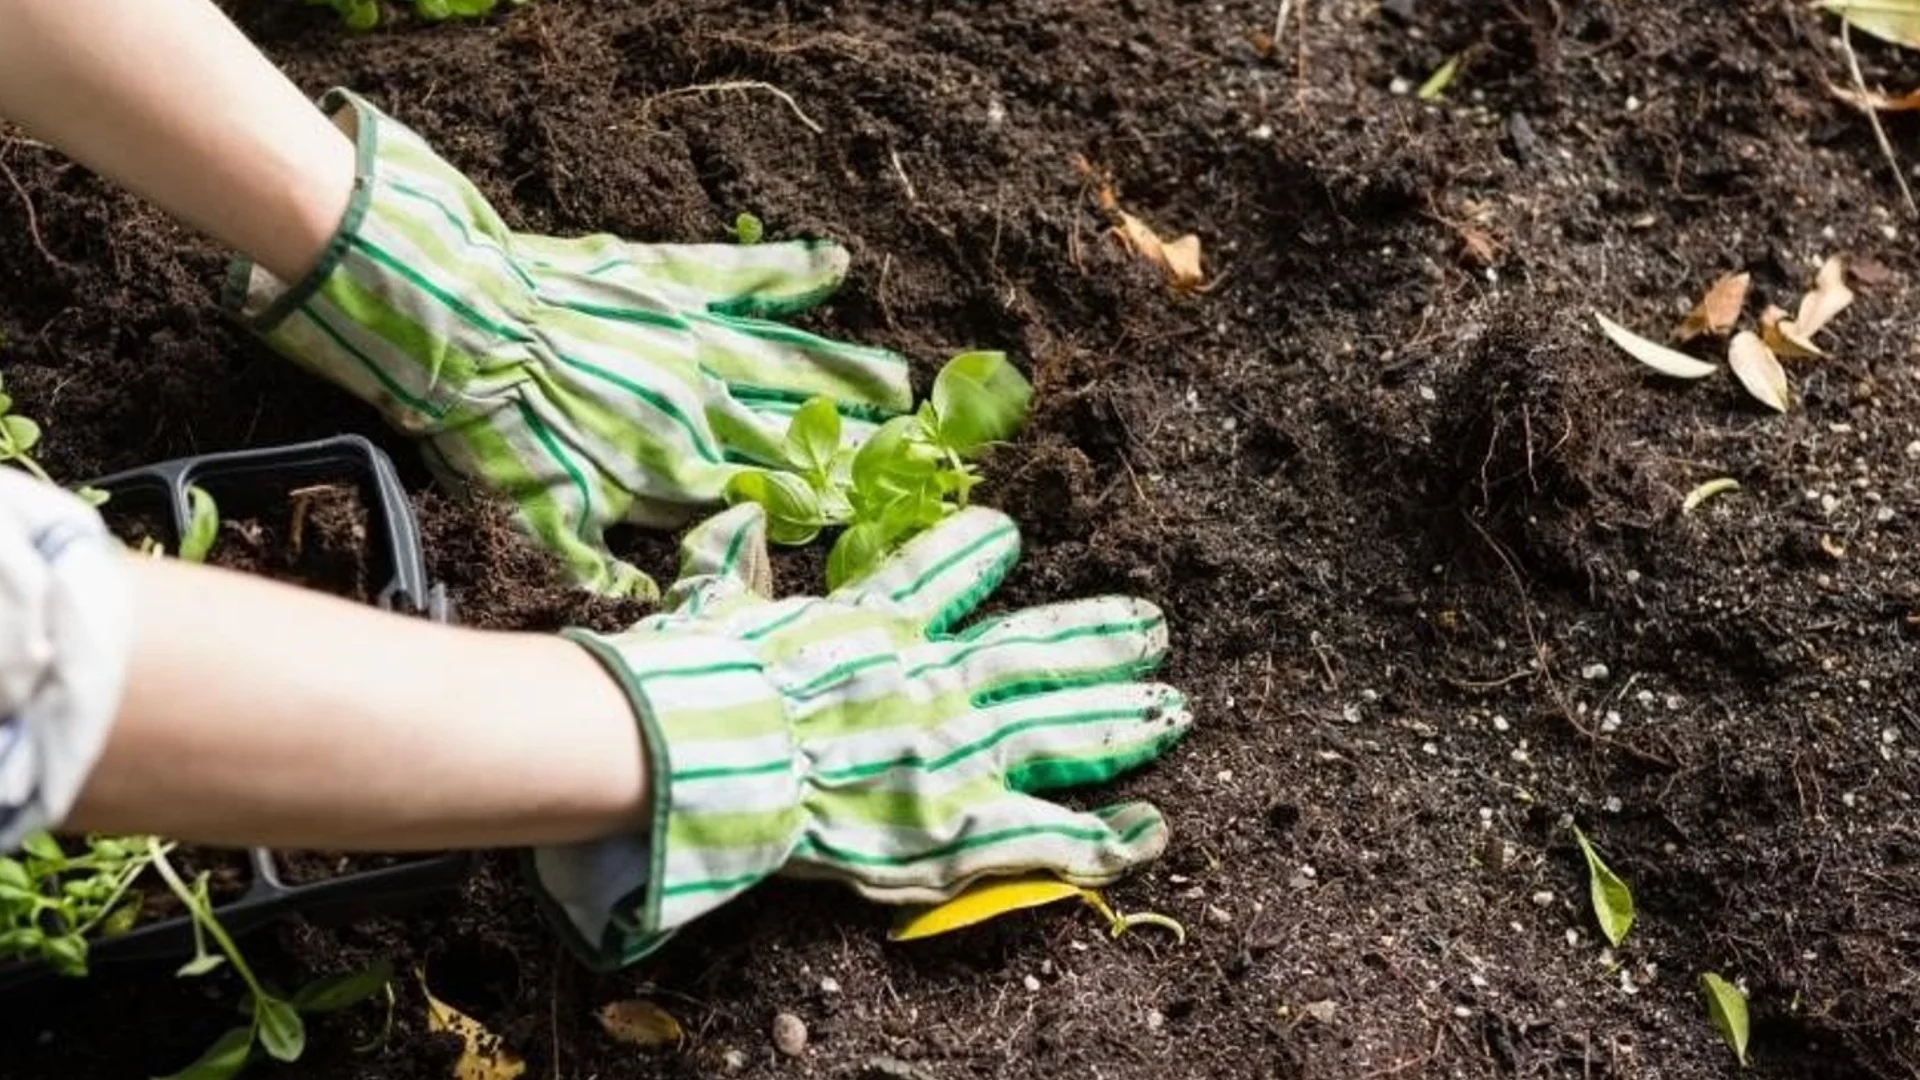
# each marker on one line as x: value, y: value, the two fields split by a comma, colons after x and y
x: 414, y: 296
x: 724, y: 787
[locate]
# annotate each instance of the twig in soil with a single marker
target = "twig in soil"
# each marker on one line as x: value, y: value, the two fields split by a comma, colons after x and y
x: 1280, y: 23
x: 33, y: 219
x: 737, y: 85
x: 900, y: 171
x: 1873, y: 117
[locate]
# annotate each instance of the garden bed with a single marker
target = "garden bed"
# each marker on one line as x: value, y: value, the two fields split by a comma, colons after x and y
x: 1416, y: 525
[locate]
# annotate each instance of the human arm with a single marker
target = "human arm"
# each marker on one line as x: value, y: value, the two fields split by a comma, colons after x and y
x: 171, y: 101
x: 257, y: 713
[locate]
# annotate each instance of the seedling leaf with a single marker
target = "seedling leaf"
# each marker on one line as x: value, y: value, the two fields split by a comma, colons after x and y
x: 283, y: 1035
x: 1612, y: 900
x: 1437, y: 83
x: 1707, y: 491
x: 225, y: 1058
x: 203, y: 525
x: 336, y: 992
x: 1719, y: 310
x: 1760, y: 371
x: 1895, y: 21
x: 856, y: 552
x: 813, y: 439
x: 484, y: 1056
x: 986, y: 900
x: 1658, y: 357
x: 1728, y: 1008
x: 979, y: 398
x: 200, y: 965
x: 793, y: 509
x: 1784, y: 336
x: 18, y: 434
x: 639, y: 1022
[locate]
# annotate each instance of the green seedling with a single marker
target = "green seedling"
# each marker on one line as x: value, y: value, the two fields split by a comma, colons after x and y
x: 52, y: 903
x: 274, y: 1023
x: 914, y: 471
x: 365, y: 14
x: 1612, y: 900
x: 203, y: 525
x: 747, y: 229
x: 18, y: 436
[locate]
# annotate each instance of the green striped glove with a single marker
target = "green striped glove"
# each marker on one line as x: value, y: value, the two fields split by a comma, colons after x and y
x: 590, y: 381
x: 863, y: 738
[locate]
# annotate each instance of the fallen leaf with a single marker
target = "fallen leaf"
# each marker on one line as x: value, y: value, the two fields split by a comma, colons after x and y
x: 1896, y: 21
x: 1728, y: 1008
x: 1707, y: 491
x: 1178, y: 259
x: 1612, y: 900
x: 1438, y: 82
x: 639, y: 1022
x: 1760, y: 371
x: 1784, y: 336
x: 1658, y: 357
x: 1719, y: 310
x: 484, y: 1057
x: 1830, y: 297
x: 988, y: 899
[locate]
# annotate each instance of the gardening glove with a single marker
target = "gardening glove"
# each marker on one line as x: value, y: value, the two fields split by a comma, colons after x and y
x: 590, y: 381
x: 863, y: 738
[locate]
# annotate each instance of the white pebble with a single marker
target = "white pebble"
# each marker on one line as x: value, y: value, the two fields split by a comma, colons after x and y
x: 829, y: 985
x: 1500, y: 723
x: 1401, y: 86
x: 1612, y: 805
x: 1542, y: 898
x: 1610, y: 723
x: 1032, y: 984
x: 1913, y: 449
x: 1594, y: 672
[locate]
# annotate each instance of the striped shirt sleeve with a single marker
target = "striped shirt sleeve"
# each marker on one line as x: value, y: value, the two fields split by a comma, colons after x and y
x: 65, y: 635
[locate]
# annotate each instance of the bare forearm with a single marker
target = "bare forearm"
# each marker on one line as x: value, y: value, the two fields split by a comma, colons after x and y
x: 171, y: 101
x: 257, y: 713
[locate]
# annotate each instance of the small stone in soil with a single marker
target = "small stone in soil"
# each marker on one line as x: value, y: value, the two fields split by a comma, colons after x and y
x: 829, y: 985
x: 734, y: 1060
x: 789, y: 1034
x: 1032, y: 984
x: 1321, y: 1012
x: 1218, y: 916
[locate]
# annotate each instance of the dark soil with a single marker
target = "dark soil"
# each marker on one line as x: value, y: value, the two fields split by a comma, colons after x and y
x: 1416, y: 525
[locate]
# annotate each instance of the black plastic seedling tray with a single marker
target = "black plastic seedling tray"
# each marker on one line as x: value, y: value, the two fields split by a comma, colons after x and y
x: 241, y: 481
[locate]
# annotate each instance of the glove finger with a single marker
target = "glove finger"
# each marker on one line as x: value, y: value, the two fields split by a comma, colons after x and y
x: 723, y: 557
x: 1011, y: 834
x: 763, y: 361
x: 1105, y: 640
x: 735, y: 279
x: 1078, y: 737
x: 942, y: 574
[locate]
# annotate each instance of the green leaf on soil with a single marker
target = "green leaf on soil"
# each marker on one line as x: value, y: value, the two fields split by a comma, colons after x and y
x: 1612, y: 900
x: 857, y: 551
x: 1728, y: 1007
x: 1895, y: 21
x: 225, y: 1058
x: 1438, y: 82
x: 748, y: 229
x: 1656, y: 356
x: 336, y: 992
x: 979, y: 398
x: 1706, y: 491
x: 282, y: 1033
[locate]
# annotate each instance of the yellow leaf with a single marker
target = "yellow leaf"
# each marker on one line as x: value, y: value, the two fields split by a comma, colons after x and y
x: 1760, y: 371
x: 1784, y: 336
x: 1896, y: 21
x: 1830, y: 297
x: 1438, y: 82
x: 639, y: 1022
x: 1707, y: 491
x: 1658, y: 357
x: 484, y: 1057
x: 988, y: 899
x: 1718, y: 310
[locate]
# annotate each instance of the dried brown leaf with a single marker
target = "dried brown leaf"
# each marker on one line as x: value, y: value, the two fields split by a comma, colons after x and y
x: 1717, y: 311
x: 639, y: 1022
x: 1656, y: 356
x: 1759, y: 371
x: 1875, y: 101
x: 1784, y: 336
x: 1178, y: 259
x: 1830, y: 297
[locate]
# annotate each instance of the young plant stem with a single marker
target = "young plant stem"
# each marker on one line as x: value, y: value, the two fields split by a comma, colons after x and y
x: 203, y: 917
x: 132, y: 871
